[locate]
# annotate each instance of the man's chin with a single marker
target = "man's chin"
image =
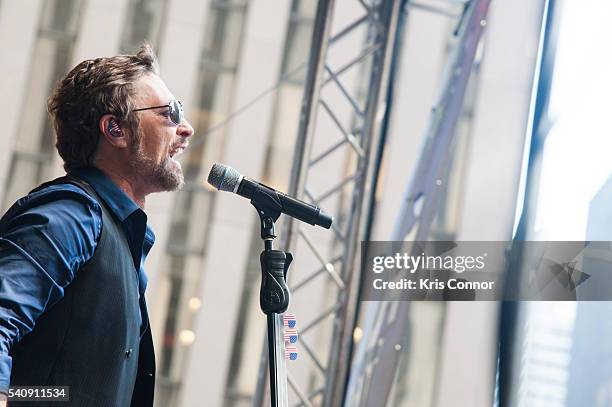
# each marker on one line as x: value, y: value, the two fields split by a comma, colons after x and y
x: 179, y: 184
x: 172, y: 182
x: 168, y: 178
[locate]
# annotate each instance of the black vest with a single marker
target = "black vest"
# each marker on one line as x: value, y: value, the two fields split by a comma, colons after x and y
x: 90, y: 340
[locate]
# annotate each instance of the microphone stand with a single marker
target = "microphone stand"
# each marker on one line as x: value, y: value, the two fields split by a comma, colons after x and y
x: 274, y: 293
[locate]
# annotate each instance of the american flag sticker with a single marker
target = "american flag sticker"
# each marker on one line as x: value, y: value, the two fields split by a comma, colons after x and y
x: 289, y: 320
x: 290, y: 335
x: 291, y: 353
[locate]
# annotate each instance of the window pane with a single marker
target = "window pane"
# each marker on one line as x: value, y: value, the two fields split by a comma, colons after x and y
x: 193, y: 205
x: 144, y: 22
x: 562, y: 350
x: 35, y: 141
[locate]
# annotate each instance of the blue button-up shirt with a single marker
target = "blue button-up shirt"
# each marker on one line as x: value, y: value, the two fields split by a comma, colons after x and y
x: 45, y: 238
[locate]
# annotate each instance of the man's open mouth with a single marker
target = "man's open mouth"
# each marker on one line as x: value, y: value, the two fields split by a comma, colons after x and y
x: 177, y: 150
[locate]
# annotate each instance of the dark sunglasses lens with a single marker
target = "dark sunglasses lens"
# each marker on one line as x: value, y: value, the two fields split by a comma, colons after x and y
x: 176, y: 111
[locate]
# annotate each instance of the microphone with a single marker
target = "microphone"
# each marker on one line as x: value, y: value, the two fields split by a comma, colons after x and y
x: 225, y: 178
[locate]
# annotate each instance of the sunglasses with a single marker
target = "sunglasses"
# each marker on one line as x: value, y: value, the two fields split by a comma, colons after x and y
x: 175, y: 110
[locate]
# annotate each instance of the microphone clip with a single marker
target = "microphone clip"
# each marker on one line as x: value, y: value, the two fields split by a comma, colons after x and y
x: 274, y: 293
x: 269, y: 209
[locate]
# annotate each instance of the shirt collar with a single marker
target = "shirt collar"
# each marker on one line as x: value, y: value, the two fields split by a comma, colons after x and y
x: 117, y: 201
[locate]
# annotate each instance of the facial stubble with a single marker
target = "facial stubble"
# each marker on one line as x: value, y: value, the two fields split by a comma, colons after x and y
x: 165, y: 176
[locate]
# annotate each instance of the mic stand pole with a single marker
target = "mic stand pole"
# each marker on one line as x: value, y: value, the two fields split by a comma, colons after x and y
x: 274, y: 293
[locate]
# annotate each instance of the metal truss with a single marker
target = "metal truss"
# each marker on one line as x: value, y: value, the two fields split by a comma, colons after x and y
x: 355, y: 188
x: 386, y: 323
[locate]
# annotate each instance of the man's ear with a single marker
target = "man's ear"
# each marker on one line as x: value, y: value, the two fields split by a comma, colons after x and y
x: 112, y: 131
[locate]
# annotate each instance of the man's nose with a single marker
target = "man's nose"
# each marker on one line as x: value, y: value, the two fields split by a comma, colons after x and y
x: 185, y: 129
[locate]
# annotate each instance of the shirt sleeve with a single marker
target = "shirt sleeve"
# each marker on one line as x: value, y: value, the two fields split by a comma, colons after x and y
x: 44, y: 239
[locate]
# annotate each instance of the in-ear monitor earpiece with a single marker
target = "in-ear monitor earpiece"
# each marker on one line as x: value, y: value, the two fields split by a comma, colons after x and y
x: 114, y: 129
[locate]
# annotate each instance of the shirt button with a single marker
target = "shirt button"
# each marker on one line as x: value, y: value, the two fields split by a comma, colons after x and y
x: 128, y: 353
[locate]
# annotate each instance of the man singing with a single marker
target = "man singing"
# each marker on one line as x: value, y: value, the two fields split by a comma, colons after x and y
x: 72, y: 283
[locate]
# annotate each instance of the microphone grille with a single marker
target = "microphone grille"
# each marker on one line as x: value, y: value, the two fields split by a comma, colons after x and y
x: 224, y: 177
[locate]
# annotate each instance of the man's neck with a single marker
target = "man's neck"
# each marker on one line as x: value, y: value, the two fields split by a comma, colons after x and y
x: 124, y: 183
